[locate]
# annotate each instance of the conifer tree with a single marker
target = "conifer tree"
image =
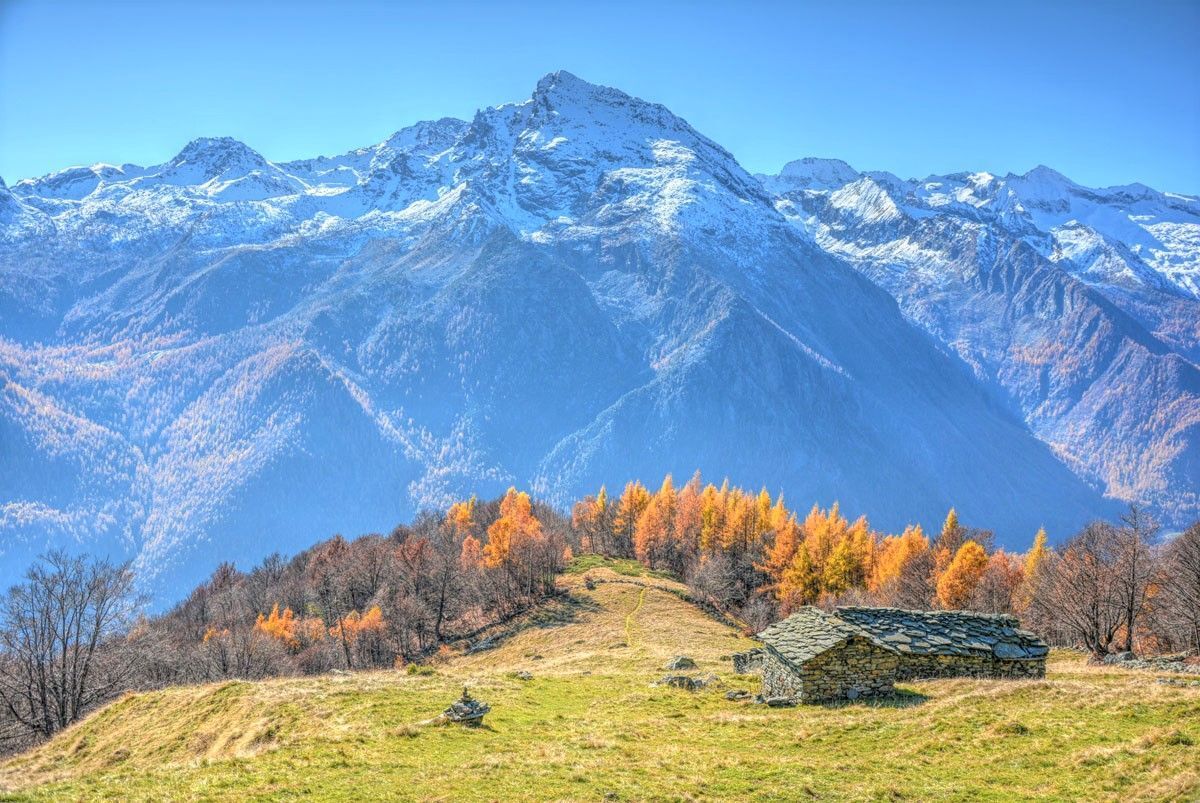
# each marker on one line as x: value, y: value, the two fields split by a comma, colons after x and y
x: 654, y: 534
x: 712, y: 519
x: 782, y: 551
x: 630, y: 507
x: 512, y: 541
x: 800, y: 584
x: 841, y: 570
x: 1035, y: 559
x: 956, y: 585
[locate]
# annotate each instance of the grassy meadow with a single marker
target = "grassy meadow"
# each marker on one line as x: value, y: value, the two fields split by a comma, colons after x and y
x: 590, y: 726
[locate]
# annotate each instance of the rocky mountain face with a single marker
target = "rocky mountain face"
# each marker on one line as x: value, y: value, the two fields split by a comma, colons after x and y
x: 222, y: 356
x: 1082, y: 306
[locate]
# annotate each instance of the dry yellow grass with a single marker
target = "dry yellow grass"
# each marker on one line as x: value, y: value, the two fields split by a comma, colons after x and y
x: 590, y: 726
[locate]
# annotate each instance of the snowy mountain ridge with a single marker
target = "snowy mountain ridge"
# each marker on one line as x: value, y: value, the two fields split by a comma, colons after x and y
x: 1127, y: 235
x: 223, y: 355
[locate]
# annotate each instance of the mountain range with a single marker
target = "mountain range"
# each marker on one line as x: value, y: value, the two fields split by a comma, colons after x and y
x: 223, y: 356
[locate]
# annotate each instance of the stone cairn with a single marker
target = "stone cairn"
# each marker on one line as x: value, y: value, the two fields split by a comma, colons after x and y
x: 466, y: 710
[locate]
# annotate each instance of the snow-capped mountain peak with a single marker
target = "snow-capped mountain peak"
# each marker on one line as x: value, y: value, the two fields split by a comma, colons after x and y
x: 425, y: 138
x: 866, y: 199
x: 1158, y: 231
x: 74, y: 183
x: 572, y: 289
x: 562, y: 86
x: 207, y: 158
x: 222, y: 168
x: 1046, y: 177
x: 814, y: 173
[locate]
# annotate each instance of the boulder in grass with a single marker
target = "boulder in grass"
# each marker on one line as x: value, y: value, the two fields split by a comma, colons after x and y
x: 688, y: 682
x: 681, y: 682
x: 680, y: 662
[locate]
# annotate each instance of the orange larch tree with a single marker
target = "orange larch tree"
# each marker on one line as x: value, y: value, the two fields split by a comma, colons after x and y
x: 513, y: 543
x: 781, y: 553
x: 654, y: 535
x: 688, y: 525
x: 956, y: 585
x: 592, y: 517
x: 279, y: 626
x: 712, y: 518
x: 630, y: 506
x: 800, y: 583
x: 1031, y: 573
x: 895, y: 553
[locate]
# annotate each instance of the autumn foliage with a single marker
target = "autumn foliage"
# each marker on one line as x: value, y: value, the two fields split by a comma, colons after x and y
x: 375, y: 601
x: 751, y: 552
x: 957, y: 583
x: 389, y: 600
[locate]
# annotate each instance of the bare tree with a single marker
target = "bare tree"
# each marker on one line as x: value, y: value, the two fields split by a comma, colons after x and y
x: 447, y: 575
x: 912, y: 588
x: 1135, y: 566
x: 53, y: 628
x: 998, y: 586
x: 327, y: 574
x: 1081, y: 588
x: 1181, y: 584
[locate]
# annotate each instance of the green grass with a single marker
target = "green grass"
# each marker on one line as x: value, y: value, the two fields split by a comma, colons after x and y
x: 590, y: 726
x: 627, y: 567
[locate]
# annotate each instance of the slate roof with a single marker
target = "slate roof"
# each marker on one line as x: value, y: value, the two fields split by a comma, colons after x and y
x: 947, y: 632
x: 809, y: 632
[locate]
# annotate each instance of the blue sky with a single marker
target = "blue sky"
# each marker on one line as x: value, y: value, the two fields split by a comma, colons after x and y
x: 1105, y: 92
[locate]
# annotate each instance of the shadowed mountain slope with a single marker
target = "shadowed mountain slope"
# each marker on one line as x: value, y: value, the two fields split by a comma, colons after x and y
x: 238, y: 356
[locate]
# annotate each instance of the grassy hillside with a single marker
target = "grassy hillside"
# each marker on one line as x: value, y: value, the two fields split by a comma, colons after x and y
x: 589, y: 726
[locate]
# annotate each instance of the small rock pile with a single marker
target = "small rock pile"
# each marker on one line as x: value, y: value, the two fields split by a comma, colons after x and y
x: 466, y: 710
x: 779, y: 701
x: 1177, y: 682
x: 775, y: 701
x: 1161, y: 663
x: 688, y: 682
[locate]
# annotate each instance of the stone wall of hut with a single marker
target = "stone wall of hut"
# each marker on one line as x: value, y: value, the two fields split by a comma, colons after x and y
x: 977, y: 665
x: 749, y: 661
x: 852, y: 671
x: 779, y: 679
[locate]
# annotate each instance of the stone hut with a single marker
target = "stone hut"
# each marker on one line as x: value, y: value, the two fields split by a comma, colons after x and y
x: 813, y: 656
x: 953, y: 643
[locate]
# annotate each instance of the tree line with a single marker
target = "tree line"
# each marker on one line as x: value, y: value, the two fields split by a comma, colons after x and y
x: 1110, y: 586
x: 72, y: 636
